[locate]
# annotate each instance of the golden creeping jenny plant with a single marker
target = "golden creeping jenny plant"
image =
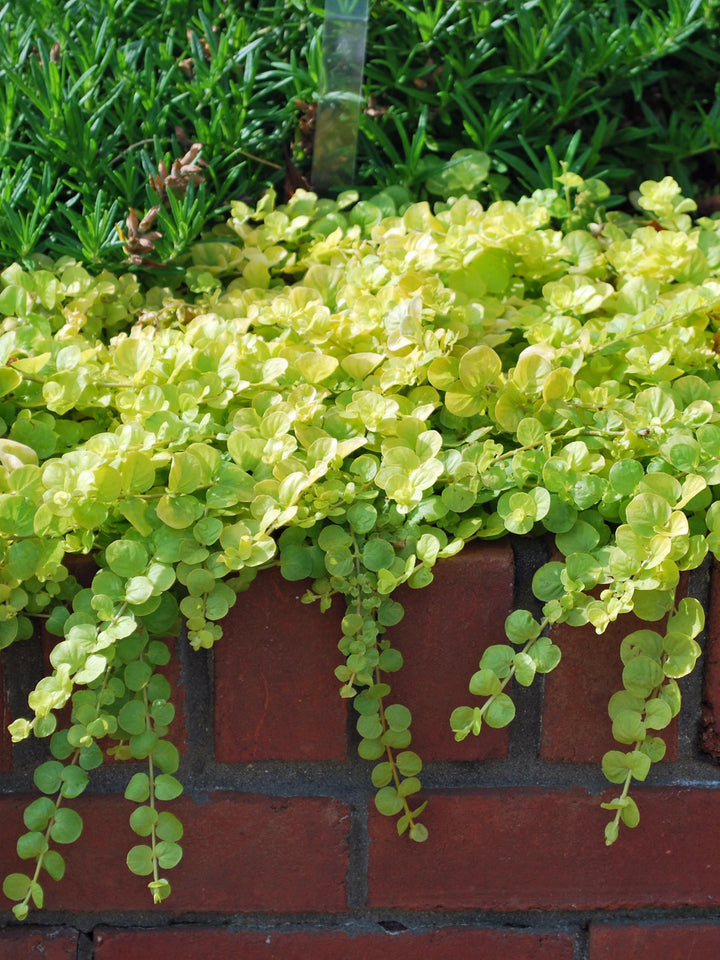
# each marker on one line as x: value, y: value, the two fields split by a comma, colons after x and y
x: 354, y: 391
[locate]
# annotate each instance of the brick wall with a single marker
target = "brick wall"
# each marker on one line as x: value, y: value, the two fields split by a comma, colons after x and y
x: 285, y: 856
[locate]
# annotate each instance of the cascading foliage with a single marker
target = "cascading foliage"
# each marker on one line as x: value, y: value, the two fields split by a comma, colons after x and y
x: 354, y: 390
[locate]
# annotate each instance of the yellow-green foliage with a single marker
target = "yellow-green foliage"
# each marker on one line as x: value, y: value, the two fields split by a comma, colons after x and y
x: 353, y: 391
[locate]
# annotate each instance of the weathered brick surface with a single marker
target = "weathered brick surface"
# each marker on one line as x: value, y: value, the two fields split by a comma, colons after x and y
x: 50, y: 943
x: 442, y: 944
x: 5, y: 718
x: 241, y: 853
x: 540, y: 849
x: 710, y: 739
x: 276, y: 696
x: 442, y: 637
x: 689, y: 940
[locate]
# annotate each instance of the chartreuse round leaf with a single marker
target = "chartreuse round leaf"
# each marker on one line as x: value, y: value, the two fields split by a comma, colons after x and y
x: 48, y: 777
x: 485, y: 683
x: 409, y: 764
x: 547, y: 583
x: 500, y: 711
x: 39, y: 813
x: 167, y: 787
x: 169, y: 854
x: 54, y: 863
x: 521, y: 626
x: 67, y: 826
x: 126, y: 557
x: 371, y: 749
x: 382, y: 774
x: 168, y: 827
x: 642, y: 675
x: 138, y: 789
x: 140, y: 860
x: 31, y: 845
x: 16, y: 886
x: 388, y: 801
x: 397, y: 717
x: 75, y: 779
x: 143, y: 819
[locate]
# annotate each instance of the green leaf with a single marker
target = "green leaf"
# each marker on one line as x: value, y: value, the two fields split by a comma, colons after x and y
x: 142, y: 820
x: 642, y: 675
x: 397, y: 717
x: 169, y: 854
x: 396, y: 739
x: 132, y: 717
x: 39, y: 813
x: 547, y: 583
x: 681, y: 653
x: 377, y: 554
x: 136, y: 676
x: 16, y: 886
x: 126, y: 557
x: 485, y: 683
x: 409, y: 786
x: 500, y: 711
x: 525, y: 669
x: 648, y: 514
x: 628, y: 727
x: 658, y: 714
x: 48, y: 776
x: 140, y: 860
x: 521, y: 626
x: 545, y: 654
x: 138, y: 789
x: 166, y: 755
x: 409, y: 763
x: 54, y: 863
x: 31, y: 845
x: 498, y: 659
x: 369, y: 727
x: 169, y: 827
x: 67, y: 827
x: 390, y: 660
x: 167, y: 787
x: 388, y: 801
x: 75, y: 780
x: 382, y: 774
x: 371, y: 749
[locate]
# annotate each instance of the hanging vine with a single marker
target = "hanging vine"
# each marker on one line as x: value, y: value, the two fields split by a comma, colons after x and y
x: 353, y: 391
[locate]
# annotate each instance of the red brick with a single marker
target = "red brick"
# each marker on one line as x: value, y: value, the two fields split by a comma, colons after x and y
x: 446, y: 628
x: 710, y: 737
x: 242, y: 852
x: 535, y: 849
x: 276, y: 696
x: 691, y: 940
x: 6, y: 762
x: 575, y: 723
x: 46, y: 944
x: 441, y: 944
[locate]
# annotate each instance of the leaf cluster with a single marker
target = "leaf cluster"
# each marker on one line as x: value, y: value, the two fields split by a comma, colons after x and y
x: 353, y: 391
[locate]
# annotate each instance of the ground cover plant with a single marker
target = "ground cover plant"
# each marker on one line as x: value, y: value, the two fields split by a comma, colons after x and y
x: 353, y: 391
x: 96, y: 94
